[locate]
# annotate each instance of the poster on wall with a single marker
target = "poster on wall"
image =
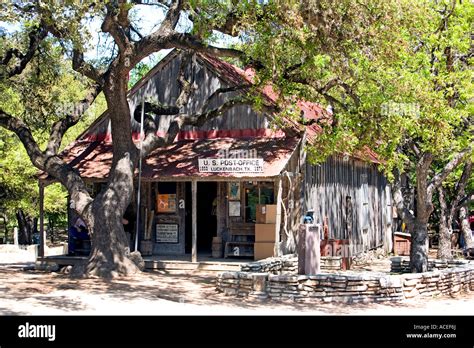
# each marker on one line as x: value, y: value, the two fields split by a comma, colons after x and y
x: 166, y: 203
x: 167, y: 233
x: 234, y: 190
x: 234, y: 208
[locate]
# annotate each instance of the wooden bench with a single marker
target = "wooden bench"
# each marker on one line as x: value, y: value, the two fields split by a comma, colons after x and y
x: 242, y: 237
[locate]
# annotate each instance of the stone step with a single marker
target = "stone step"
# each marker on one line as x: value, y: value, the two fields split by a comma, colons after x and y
x: 191, y: 266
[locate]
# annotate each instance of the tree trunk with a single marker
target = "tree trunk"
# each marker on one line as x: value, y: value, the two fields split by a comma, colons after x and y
x: 444, y: 248
x: 419, y: 248
x: 445, y: 228
x: 6, y: 229
x: 26, y: 227
x: 465, y: 228
x: 110, y: 250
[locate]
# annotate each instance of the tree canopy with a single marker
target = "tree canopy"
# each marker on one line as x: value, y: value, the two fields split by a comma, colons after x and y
x: 394, y: 75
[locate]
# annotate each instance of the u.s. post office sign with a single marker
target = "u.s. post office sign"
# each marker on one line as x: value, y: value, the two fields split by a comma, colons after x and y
x: 231, y: 165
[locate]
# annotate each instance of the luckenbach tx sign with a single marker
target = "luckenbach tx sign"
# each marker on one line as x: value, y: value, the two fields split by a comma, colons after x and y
x: 231, y: 165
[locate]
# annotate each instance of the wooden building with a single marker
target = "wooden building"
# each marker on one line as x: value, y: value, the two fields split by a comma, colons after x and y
x: 208, y: 184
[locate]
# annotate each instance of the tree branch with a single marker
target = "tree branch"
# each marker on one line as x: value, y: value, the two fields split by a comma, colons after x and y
x: 156, y: 42
x: 78, y: 62
x: 172, y: 16
x: 115, y: 23
x: 35, y: 38
x: 187, y: 87
x: 60, y: 127
x: 26, y: 137
x: 152, y: 141
x: 461, y: 187
x: 86, y: 69
x: 438, y: 179
x: 53, y: 165
x: 399, y: 201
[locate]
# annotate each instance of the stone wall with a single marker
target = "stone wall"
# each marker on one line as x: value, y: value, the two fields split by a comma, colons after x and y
x: 348, y: 287
x: 288, y: 264
x: 402, y: 264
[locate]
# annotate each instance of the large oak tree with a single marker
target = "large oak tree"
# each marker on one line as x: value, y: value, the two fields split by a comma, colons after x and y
x: 66, y: 26
x: 357, y: 57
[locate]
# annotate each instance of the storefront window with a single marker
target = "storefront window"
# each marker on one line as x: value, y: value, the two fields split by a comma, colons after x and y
x: 251, y: 201
x: 257, y: 193
x: 266, y: 193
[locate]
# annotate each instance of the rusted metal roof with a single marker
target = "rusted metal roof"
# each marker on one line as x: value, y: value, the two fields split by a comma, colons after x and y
x: 180, y: 159
x: 313, y: 113
x: 93, y: 158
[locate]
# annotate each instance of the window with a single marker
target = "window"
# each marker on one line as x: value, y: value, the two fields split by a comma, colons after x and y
x: 251, y: 201
x: 167, y: 187
x: 257, y: 193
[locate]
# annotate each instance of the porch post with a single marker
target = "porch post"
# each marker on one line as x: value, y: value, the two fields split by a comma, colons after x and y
x: 194, y: 221
x: 41, y: 217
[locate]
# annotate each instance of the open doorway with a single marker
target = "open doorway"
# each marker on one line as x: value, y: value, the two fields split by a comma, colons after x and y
x: 206, y: 216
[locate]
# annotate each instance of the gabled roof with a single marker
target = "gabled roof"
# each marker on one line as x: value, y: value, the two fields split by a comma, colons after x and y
x: 235, y: 76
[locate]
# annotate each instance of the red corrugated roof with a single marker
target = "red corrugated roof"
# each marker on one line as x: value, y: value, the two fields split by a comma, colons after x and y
x: 93, y: 159
x: 312, y: 112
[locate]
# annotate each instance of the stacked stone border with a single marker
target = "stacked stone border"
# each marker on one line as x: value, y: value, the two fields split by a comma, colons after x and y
x: 347, y: 287
x: 401, y: 264
x: 288, y: 264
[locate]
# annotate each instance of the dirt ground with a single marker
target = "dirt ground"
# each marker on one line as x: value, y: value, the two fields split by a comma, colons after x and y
x: 159, y: 293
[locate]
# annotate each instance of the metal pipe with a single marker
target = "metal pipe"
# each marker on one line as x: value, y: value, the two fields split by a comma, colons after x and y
x: 139, y: 174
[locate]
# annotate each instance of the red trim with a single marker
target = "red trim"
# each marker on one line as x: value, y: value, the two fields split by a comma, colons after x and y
x: 197, y: 135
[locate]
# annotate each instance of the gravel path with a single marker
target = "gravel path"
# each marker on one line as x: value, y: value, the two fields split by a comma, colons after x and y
x: 158, y: 293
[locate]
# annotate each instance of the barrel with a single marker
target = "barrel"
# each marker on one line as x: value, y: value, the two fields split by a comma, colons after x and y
x: 217, y: 247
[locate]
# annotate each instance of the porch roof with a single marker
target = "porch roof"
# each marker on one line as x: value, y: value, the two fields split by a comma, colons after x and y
x: 180, y: 159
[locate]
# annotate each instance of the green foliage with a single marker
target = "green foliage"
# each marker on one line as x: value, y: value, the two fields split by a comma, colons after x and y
x: 383, y: 67
x: 45, y: 92
x: 20, y: 185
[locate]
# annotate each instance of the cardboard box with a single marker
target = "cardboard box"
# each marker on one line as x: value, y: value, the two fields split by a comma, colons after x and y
x: 262, y: 250
x: 266, y: 213
x: 265, y: 232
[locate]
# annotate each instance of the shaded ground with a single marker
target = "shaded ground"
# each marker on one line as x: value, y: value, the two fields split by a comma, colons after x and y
x: 160, y: 293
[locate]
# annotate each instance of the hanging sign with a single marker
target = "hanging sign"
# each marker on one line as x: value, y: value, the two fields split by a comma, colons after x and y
x: 231, y: 165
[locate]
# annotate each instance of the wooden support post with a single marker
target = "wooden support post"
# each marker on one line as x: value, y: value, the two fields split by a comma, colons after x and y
x: 194, y: 221
x: 41, y: 216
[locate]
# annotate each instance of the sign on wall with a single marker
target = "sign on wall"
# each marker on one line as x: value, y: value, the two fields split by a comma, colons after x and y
x: 166, y: 203
x: 231, y: 165
x: 167, y: 233
x: 234, y: 208
x: 234, y: 191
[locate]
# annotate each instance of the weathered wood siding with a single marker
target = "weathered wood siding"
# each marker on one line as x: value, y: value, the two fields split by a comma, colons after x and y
x: 327, y: 187
x: 163, y: 88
